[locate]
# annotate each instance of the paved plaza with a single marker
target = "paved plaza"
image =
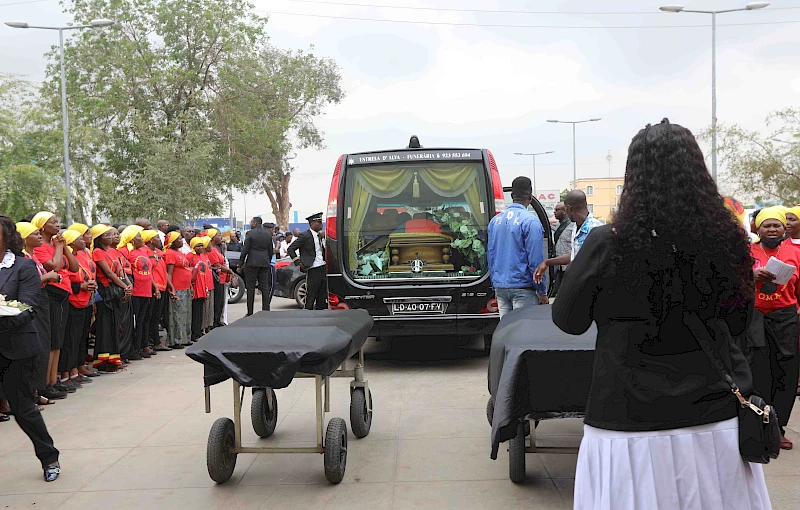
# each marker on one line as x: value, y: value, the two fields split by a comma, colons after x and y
x: 137, y: 440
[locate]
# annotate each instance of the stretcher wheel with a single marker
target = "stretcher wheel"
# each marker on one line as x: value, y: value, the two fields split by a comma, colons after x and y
x: 490, y: 409
x: 360, y: 415
x: 335, y: 450
x: 516, y: 455
x: 220, y: 458
x: 264, y: 411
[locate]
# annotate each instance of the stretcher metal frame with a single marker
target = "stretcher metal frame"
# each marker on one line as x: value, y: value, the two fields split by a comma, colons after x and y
x: 322, y: 406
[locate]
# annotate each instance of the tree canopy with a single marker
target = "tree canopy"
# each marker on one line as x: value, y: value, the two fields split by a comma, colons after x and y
x: 764, y: 166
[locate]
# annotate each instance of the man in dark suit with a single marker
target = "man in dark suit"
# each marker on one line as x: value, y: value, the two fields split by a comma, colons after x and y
x: 308, y: 252
x: 255, y: 261
x: 20, y: 345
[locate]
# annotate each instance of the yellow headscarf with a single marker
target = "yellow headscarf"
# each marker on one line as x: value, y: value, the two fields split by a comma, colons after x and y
x: 735, y: 207
x: 205, y: 240
x: 171, y: 238
x: 70, y: 236
x: 99, y: 230
x: 195, y: 241
x: 148, y: 234
x: 210, y: 233
x: 41, y: 218
x: 771, y: 213
x: 127, y: 235
x: 794, y: 210
x: 25, y: 229
x: 79, y: 228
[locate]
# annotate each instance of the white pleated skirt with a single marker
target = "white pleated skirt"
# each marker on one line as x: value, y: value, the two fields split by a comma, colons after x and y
x: 689, y: 468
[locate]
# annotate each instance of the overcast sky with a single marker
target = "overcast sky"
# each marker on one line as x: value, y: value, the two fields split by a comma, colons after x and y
x: 495, y: 87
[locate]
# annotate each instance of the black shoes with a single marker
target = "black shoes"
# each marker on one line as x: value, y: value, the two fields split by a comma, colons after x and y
x: 51, y: 472
x: 53, y: 394
x: 64, y: 388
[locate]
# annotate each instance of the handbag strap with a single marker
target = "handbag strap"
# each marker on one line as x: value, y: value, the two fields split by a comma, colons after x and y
x: 703, y: 337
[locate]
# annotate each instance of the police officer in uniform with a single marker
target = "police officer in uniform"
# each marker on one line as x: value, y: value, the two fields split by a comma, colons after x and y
x: 308, y: 252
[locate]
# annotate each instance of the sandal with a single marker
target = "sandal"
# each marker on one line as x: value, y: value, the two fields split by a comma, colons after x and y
x: 44, y: 401
x: 4, y: 417
x: 163, y: 348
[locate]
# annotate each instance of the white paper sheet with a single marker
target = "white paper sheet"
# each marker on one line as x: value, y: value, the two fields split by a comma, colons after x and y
x: 783, y: 272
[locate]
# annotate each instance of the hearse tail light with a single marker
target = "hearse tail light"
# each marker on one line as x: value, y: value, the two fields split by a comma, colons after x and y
x: 333, y: 202
x: 336, y: 303
x: 497, y: 185
x: 491, y: 306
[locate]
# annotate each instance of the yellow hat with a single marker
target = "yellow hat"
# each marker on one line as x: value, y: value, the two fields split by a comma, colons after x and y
x: 79, y: 228
x: 70, y: 236
x: 41, y: 218
x: 25, y: 229
x: 206, y: 240
x: 210, y: 233
x: 771, y: 213
x: 148, y: 234
x: 171, y: 238
x: 99, y: 230
x: 197, y: 240
x: 127, y: 235
x: 794, y: 210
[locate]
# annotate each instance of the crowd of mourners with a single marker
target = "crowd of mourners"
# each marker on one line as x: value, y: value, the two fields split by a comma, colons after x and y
x: 109, y: 295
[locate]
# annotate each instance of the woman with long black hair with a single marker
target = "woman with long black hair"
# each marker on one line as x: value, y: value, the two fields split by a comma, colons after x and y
x: 19, y: 345
x: 661, y: 426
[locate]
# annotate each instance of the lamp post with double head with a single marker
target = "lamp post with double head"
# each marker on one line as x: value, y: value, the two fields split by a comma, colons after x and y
x: 574, y: 164
x: 679, y: 8
x: 97, y: 23
x: 533, y: 155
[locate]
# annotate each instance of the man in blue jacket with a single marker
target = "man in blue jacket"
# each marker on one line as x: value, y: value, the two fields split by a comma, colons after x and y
x: 516, y: 248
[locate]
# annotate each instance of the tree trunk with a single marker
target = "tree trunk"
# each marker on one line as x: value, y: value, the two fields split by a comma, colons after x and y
x: 277, y: 190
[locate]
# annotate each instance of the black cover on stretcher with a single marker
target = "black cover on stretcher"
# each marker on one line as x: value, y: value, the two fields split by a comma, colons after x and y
x: 267, y: 349
x: 537, y: 371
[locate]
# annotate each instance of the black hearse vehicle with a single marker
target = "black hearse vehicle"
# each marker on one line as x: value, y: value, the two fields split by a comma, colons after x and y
x: 407, y: 232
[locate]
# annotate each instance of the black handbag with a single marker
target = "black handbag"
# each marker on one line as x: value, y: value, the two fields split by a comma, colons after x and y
x: 759, y: 431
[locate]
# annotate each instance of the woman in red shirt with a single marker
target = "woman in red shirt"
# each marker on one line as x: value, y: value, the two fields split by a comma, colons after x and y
x: 33, y: 239
x: 84, y: 283
x: 179, y: 287
x: 107, y: 334
x: 772, y: 336
x: 222, y: 271
x: 199, y: 288
x: 54, y: 256
x: 144, y: 288
x: 160, y: 304
x: 208, y: 306
x: 121, y: 240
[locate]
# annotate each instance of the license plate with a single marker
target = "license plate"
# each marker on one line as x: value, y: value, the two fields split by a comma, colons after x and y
x: 423, y: 308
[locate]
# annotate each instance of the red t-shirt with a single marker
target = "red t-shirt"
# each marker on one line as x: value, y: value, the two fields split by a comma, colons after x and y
x: 215, y: 257
x: 159, y: 269
x: 87, y: 270
x: 200, y: 282
x: 39, y: 266
x: 142, y: 268
x: 208, y: 275
x: 123, y: 260
x: 45, y: 253
x: 785, y: 296
x: 98, y: 255
x: 181, y: 273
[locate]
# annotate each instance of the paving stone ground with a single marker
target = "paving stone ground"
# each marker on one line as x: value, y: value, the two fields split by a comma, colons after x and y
x: 137, y: 440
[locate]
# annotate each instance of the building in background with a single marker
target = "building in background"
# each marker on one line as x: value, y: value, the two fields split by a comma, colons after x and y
x: 602, y: 195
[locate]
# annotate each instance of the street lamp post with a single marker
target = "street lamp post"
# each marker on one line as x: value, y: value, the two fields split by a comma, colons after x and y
x: 533, y: 155
x: 679, y: 8
x: 574, y: 164
x: 96, y: 23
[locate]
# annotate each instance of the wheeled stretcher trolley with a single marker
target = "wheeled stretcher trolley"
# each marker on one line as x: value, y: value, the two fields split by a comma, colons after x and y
x: 536, y: 372
x: 265, y: 352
